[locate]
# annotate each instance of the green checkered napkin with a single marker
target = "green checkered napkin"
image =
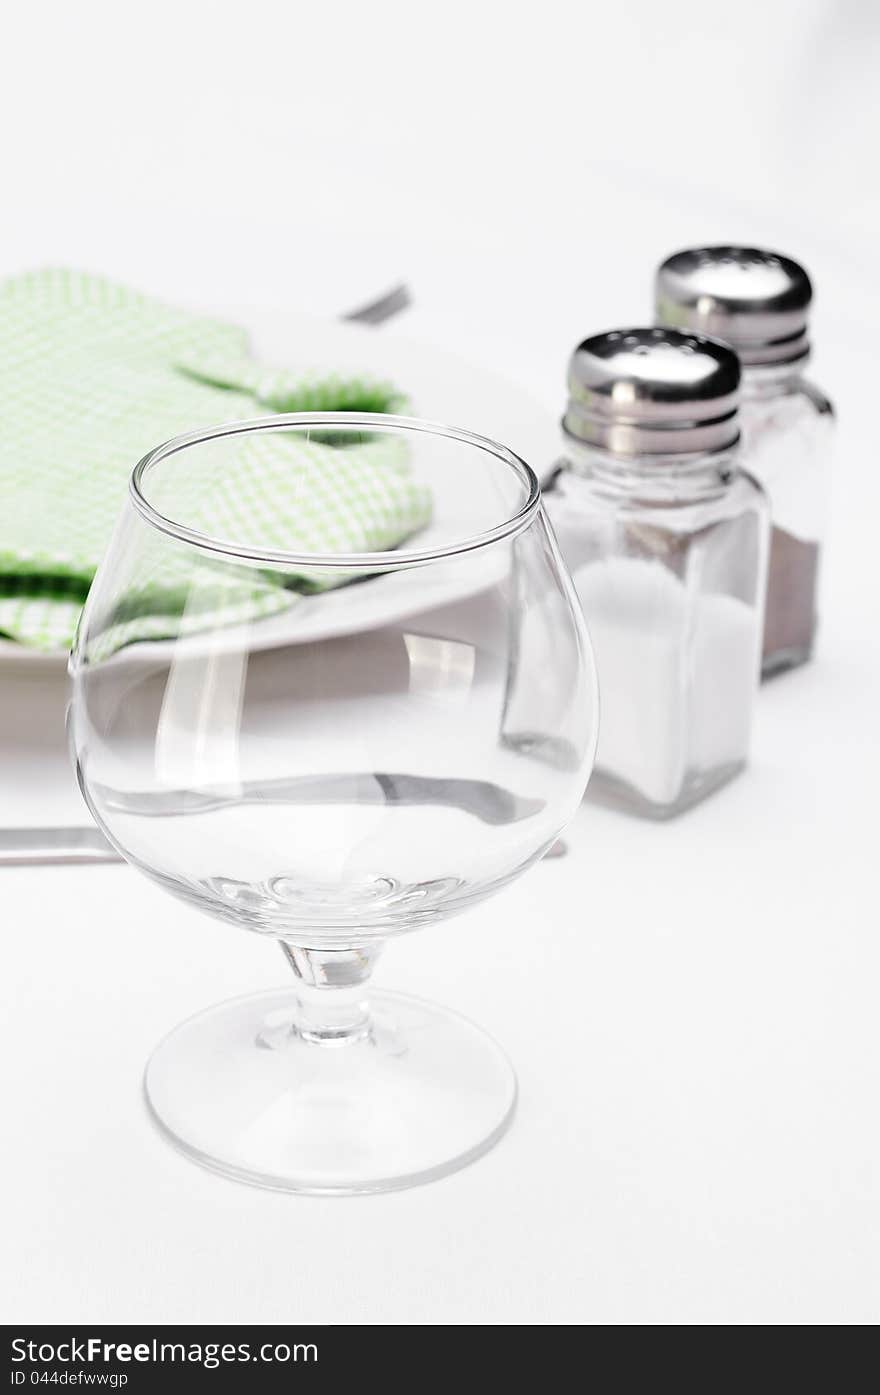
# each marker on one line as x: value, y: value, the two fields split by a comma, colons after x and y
x: 92, y: 376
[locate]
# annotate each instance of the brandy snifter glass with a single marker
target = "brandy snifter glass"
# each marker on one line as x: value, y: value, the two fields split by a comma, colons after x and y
x: 330, y: 748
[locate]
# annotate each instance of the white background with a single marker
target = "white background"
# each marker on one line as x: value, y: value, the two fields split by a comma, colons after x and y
x: 691, y: 1008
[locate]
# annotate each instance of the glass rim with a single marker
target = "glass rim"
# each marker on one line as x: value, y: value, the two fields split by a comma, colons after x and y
x: 349, y: 561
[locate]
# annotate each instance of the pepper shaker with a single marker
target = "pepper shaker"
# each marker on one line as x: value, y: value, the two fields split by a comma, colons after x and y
x: 759, y: 302
x: 666, y: 540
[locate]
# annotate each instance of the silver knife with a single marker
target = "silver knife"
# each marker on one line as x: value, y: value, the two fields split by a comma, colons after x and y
x: 24, y: 847
x: 488, y: 802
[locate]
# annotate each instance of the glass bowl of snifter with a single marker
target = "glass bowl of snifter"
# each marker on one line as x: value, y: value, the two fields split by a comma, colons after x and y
x: 681, y: 440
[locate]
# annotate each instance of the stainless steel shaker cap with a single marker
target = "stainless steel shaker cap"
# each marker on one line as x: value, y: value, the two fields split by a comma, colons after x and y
x: 755, y: 300
x: 653, y: 392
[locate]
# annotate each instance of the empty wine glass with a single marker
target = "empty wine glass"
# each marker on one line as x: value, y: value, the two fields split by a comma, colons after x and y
x: 329, y: 745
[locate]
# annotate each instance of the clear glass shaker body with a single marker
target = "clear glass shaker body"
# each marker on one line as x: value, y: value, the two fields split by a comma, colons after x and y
x: 787, y: 426
x: 668, y: 556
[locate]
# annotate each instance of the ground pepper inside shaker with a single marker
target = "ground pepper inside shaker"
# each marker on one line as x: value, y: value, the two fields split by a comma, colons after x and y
x: 792, y: 580
x: 758, y: 302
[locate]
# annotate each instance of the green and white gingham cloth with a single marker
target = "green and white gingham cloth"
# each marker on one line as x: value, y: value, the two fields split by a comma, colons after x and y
x: 92, y: 376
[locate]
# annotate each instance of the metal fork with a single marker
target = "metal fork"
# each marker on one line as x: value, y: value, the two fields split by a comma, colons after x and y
x: 376, y: 312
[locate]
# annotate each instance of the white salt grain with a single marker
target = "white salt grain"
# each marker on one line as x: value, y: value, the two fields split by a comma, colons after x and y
x: 677, y: 674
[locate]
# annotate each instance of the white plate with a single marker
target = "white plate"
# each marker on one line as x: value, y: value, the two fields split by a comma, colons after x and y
x: 441, y: 386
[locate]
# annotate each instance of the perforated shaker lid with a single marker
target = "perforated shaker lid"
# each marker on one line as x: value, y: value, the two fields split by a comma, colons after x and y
x: 758, y: 301
x: 653, y: 392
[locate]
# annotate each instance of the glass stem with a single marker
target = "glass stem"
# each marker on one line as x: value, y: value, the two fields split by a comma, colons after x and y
x: 331, y: 992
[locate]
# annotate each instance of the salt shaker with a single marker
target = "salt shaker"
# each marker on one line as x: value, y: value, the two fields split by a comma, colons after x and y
x: 759, y: 303
x: 666, y: 539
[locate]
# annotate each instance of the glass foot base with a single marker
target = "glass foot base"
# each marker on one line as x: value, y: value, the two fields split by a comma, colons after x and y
x: 421, y: 1093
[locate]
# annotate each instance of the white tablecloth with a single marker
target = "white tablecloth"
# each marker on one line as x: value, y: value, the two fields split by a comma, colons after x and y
x: 691, y: 1008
